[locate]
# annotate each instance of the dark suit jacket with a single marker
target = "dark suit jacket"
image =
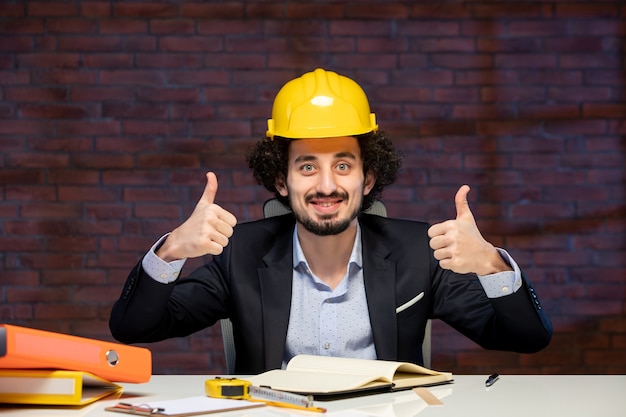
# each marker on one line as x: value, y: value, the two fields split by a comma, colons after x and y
x: 251, y: 281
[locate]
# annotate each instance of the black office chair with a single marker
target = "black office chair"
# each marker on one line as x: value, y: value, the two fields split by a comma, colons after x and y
x: 272, y: 208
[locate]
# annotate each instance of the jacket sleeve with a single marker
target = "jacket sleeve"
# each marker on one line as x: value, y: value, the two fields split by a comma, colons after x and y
x: 149, y: 311
x: 516, y: 322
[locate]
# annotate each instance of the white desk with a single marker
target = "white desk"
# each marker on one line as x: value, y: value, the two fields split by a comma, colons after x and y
x: 511, y: 396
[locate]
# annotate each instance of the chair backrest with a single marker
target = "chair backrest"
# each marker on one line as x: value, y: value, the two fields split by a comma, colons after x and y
x: 229, y: 345
x: 272, y: 208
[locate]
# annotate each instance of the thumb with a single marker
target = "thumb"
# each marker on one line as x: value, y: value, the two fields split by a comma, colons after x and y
x: 460, y: 201
x: 208, y: 196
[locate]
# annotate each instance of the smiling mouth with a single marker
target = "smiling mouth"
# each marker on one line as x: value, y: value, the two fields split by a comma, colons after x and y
x: 326, y: 199
x: 326, y: 203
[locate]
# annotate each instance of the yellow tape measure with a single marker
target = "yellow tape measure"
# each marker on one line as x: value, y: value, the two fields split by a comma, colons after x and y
x: 233, y: 388
x: 240, y: 389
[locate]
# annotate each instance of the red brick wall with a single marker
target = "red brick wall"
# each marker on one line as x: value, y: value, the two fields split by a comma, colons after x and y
x: 111, y: 112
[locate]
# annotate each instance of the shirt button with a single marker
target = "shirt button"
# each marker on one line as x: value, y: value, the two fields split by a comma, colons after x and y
x: 326, y: 345
x: 505, y: 289
x: 174, y: 274
x: 163, y: 276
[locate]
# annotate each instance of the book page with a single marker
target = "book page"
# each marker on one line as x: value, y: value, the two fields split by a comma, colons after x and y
x: 415, y: 369
x: 305, y: 382
x: 349, y: 366
x: 312, y: 374
x: 407, y: 380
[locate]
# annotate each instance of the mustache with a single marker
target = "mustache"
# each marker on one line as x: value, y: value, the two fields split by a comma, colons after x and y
x: 338, y: 195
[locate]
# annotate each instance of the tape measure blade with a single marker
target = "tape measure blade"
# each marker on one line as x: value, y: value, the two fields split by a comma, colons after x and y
x: 280, y: 396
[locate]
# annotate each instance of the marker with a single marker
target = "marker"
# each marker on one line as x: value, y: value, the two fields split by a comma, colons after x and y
x: 491, y: 380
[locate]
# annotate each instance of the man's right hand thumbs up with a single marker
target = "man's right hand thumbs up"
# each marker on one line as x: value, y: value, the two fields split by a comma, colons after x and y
x: 205, y: 232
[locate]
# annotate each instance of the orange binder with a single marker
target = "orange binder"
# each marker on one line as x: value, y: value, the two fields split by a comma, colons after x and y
x: 25, y: 348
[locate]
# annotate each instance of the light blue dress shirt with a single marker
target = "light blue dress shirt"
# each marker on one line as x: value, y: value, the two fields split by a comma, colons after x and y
x: 329, y: 322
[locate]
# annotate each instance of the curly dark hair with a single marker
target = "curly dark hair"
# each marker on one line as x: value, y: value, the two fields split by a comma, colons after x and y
x: 268, y: 160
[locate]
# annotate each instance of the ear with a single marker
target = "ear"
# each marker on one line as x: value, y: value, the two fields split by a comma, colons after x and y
x: 370, y: 181
x: 280, y: 185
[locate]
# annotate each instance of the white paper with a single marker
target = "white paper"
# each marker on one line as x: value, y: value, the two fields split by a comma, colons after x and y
x: 197, y: 404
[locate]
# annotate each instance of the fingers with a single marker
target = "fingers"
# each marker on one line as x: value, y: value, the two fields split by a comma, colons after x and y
x: 440, y: 229
x: 443, y: 240
x: 217, y: 228
x: 217, y: 239
x: 440, y: 241
x: 460, y: 201
x: 223, y: 227
x: 229, y: 219
x: 446, y: 251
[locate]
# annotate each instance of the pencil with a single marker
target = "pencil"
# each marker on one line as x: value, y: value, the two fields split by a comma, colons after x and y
x: 288, y: 405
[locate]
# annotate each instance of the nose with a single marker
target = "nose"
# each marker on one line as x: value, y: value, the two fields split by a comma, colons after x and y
x: 327, y: 184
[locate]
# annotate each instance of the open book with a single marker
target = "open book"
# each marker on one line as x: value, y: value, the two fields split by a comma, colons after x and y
x: 325, y: 376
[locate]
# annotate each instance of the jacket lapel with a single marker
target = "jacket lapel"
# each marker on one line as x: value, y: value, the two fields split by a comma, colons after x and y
x: 275, y: 283
x: 379, y: 276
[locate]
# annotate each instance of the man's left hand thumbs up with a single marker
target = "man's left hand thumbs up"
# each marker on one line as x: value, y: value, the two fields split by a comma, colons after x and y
x: 458, y: 244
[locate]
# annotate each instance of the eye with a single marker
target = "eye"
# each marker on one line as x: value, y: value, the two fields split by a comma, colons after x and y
x: 307, y: 168
x: 343, y: 166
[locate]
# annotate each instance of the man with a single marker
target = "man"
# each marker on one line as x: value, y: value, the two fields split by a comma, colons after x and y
x: 328, y: 279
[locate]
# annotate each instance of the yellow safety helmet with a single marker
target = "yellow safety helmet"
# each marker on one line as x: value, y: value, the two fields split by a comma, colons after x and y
x: 320, y: 104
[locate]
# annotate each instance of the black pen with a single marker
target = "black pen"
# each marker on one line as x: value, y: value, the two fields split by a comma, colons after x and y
x: 491, y: 380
